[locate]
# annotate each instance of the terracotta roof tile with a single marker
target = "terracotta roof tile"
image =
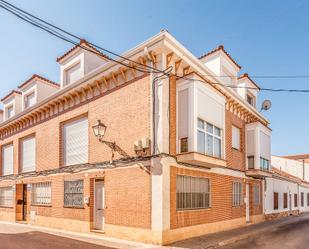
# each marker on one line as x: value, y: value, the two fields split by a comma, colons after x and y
x: 8, y: 95
x: 245, y: 75
x: 220, y: 47
x: 82, y: 43
x: 35, y: 76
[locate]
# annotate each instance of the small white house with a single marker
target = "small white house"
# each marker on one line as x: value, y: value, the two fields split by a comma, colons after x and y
x: 287, y: 190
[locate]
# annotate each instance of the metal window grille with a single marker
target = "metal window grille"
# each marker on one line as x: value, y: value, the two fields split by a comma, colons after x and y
x: 41, y: 193
x: 237, y: 194
x: 192, y: 192
x: 73, y: 193
x: 6, y: 197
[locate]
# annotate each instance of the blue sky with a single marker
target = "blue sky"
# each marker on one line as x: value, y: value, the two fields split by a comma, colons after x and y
x: 264, y: 37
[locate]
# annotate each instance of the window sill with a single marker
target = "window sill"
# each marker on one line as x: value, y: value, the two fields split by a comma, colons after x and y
x: 193, y: 209
x: 74, y: 207
x: 236, y: 149
x: 11, y: 207
x: 40, y: 205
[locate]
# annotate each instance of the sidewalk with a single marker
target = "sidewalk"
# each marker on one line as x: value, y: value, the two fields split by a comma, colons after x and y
x: 96, y: 239
x: 217, y: 240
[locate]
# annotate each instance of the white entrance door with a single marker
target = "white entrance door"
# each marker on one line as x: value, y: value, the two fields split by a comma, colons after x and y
x: 247, y: 203
x: 99, y: 205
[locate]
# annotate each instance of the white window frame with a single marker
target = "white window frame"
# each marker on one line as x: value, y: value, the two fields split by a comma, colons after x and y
x: 7, y: 111
x: 237, y: 194
x: 67, y: 70
x: 65, y: 145
x: 9, y: 171
x: 250, y: 95
x: 41, y: 194
x: 206, y: 132
x: 236, y: 137
x: 6, y: 201
x: 33, y: 167
x: 26, y: 99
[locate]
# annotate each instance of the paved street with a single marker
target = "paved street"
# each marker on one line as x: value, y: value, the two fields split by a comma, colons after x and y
x: 284, y: 233
x: 289, y: 236
x: 39, y: 240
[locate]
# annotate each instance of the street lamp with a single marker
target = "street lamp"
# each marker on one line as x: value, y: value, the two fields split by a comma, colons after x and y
x: 99, y: 129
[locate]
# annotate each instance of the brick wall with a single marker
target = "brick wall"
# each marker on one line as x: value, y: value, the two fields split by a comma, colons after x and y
x: 125, y: 112
x: 236, y: 159
x: 221, y: 200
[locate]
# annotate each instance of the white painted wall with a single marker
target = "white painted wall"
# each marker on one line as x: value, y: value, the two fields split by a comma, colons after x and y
x: 289, y: 166
x: 260, y: 146
x: 204, y: 103
x: 281, y: 186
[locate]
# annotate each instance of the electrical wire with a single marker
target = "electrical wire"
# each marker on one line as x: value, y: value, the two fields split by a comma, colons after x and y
x: 25, y: 17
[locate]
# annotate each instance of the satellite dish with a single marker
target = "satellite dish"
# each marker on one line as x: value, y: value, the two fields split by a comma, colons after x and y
x: 266, y: 105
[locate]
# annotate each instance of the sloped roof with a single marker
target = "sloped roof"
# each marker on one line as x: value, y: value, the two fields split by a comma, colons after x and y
x: 82, y: 43
x: 245, y: 75
x: 10, y: 94
x: 36, y: 76
x: 220, y: 47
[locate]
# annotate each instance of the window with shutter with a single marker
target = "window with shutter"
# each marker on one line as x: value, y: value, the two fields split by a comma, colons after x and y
x: 285, y: 200
x: 235, y: 138
x: 7, y: 159
x: 28, y: 154
x: 302, y: 202
x: 295, y: 200
x: 275, y: 200
x: 75, y: 142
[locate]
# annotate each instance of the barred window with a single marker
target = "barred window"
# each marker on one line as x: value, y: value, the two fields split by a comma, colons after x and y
x: 295, y: 200
x: 285, y: 200
x: 41, y: 193
x: 6, y: 197
x: 256, y: 195
x: 73, y: 193
x: 237, y: 194
x: 307, y: 199
x: 192, y: 192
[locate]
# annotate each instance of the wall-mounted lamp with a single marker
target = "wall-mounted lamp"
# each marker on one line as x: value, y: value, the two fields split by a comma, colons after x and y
x: 99, y: 130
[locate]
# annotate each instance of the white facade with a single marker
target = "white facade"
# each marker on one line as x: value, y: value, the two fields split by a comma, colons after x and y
x: 290, y: 177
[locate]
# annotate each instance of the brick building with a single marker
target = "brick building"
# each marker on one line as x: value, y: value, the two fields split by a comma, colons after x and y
x: 176, y: 156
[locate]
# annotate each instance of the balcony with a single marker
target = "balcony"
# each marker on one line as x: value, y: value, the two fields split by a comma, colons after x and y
x: 263, y: 170
x: 201, y: 160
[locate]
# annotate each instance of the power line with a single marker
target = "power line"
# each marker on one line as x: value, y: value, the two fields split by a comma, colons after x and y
x: 25, y: 16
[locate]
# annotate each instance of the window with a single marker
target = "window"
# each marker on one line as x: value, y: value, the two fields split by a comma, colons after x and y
x: 209, y: 139
x: 6, y: 197
x: 41, y: 193
x: 275, y: 200
x: 235, y: 138
x: 237, y: 194
x: 250, y: 162
x: 192, y: 192
x: 183, y: 145
x: 29, y: 100
x: 7, y: 159
x: 308, y: 199
x: 250, y: 99
x: 73, y: 193
x: 9, y: 112
x: 75, y: 142
x: 256, y: 195
x: 295, y: 200
x: 285, y: 200
x: 28, y: 154
x: 264, y: 164
x: 302, y: 202
x: 72, y: 74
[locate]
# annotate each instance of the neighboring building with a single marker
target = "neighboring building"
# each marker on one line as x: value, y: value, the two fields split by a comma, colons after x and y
x: 287, y: 191
x: 172, y: 157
